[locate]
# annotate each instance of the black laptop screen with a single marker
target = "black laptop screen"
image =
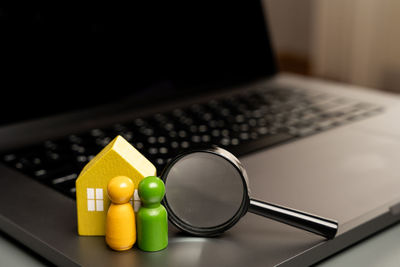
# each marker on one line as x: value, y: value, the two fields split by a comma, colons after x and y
x: 60, y: 57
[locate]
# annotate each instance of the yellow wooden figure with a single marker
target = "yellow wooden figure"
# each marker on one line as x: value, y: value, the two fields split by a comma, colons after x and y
x: 120, y: 223
x: 118, y: 158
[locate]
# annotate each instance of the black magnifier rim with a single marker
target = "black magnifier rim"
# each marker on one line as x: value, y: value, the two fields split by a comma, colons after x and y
x: 207, y: 231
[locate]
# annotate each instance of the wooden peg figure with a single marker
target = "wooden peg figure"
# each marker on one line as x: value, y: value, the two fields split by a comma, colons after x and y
x: 120, y: 222
x: 152, y: 221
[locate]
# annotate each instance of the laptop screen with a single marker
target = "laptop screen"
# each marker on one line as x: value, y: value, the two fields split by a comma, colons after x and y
x: 59, y: 57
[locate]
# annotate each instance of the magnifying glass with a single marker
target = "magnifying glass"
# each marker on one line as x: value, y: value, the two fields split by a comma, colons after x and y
x: 207, y: 193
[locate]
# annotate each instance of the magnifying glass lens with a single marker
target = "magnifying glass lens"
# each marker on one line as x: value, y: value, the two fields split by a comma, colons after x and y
x: 204, y: 190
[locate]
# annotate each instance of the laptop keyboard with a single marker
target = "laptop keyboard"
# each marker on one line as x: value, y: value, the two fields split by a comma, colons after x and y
x: 241, y: 123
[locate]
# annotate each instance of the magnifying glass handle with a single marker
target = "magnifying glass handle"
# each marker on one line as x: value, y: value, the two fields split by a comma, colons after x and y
x: 312, y: 223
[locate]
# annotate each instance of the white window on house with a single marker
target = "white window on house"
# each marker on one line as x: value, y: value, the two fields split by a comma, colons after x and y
x: 95, y: 199
x: 135, y: 201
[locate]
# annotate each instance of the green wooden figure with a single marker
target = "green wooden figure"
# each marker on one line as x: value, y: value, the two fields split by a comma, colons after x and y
x: 152, y: 221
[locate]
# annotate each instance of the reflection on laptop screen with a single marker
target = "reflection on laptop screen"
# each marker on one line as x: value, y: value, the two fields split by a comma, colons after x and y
x: 59, y: 57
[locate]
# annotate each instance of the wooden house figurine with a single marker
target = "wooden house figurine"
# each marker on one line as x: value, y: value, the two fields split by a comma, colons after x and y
x: 118, y: 158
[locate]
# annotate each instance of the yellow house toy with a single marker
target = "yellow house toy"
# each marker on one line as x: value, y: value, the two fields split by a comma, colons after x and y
x: 118, y: 158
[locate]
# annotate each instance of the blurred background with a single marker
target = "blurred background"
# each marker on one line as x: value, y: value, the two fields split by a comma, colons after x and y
x: 351, y: 41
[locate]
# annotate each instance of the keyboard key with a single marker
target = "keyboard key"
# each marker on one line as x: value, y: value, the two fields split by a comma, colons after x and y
x: 64, y: 178
x: 9, y: 157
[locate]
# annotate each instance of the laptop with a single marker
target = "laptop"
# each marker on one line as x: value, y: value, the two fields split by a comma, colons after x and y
x: 168, y: 77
